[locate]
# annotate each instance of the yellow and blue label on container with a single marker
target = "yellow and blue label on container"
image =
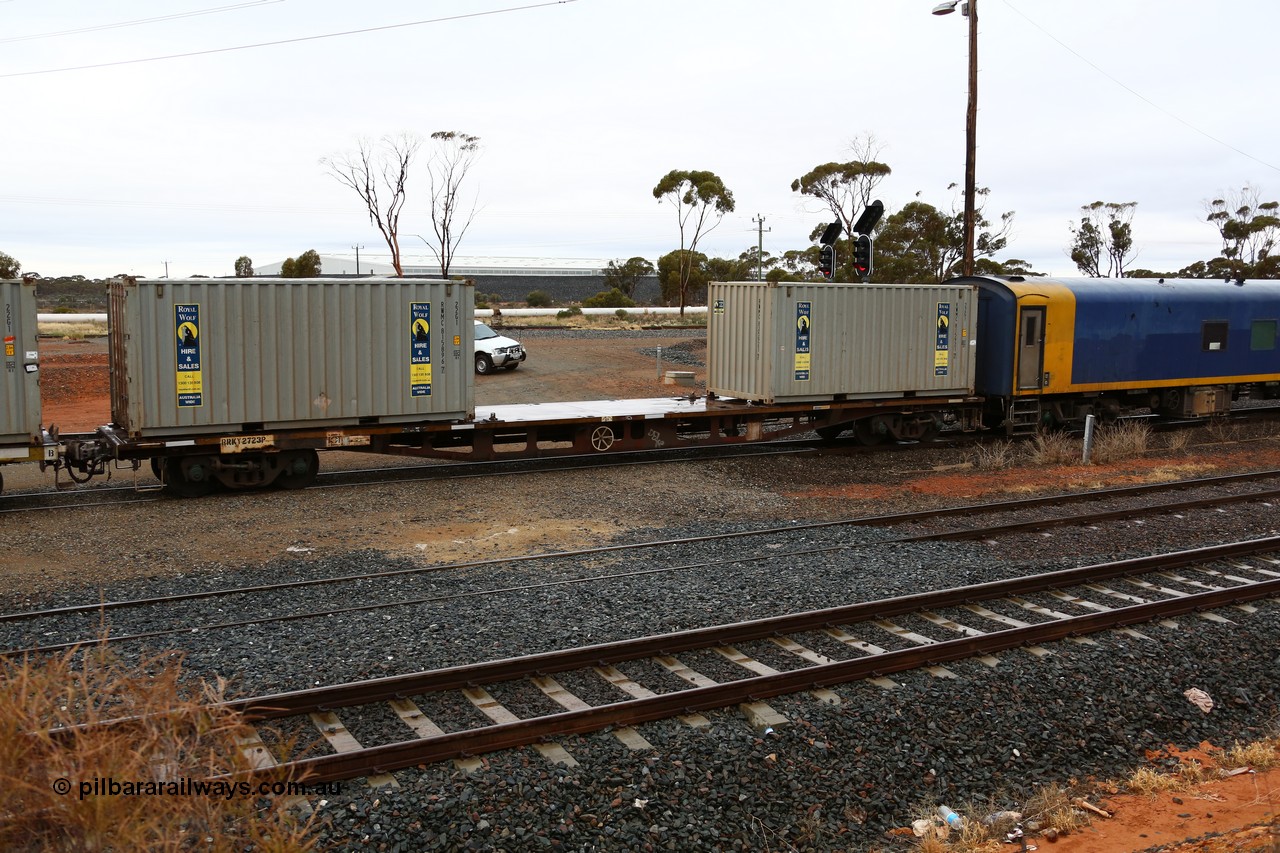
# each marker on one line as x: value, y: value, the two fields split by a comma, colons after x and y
x: 942, y: 347
x: 420, y: 349
x: 190, y: 377
x: 803, y: 322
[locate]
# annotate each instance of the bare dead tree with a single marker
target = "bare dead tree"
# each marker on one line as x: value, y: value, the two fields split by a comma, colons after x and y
x: 386, y: 164
x: 454, y: 156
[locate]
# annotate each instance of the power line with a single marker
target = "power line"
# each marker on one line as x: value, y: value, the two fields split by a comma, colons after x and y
x: 138, y: 22
x: 1137, y: 94
x: 287, y: 41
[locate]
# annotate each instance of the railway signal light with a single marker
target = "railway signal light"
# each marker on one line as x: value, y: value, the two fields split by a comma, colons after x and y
x: 867, y: 221
x: 862, y: 256
x: 831, y: 234
x: 827, y: 262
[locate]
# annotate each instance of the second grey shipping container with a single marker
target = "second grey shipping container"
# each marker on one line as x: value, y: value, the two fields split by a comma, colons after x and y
x: 201, y: 356
x: 20, y: 434
x: 794, y: 342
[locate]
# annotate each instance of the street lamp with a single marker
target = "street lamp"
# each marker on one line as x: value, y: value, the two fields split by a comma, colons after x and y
x: 970, y: 10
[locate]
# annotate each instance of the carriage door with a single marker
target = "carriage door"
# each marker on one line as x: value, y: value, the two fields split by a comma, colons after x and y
x: 1031, y: 348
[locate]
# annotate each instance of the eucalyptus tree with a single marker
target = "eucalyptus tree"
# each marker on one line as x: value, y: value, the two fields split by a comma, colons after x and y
x: 455, y: 153
x: 625, y: 276
x: 1249, y: 228
x: 374, y: 168
x: 701, y: 201
x: 1105, y: 233
x: 9, y: 266
x: 922, y: 244
x: 846, y: 188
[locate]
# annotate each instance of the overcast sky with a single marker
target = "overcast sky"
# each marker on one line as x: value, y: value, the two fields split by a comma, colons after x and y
x: 583, y: 106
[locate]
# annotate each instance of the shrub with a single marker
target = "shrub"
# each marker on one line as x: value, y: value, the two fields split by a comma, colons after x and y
x: 609, y: 299
x: 166, y: 736
x: 995, y: 454
x: 537, y: 299
x: 621, y: 313
x: 1122, y: 440
x: 572, y: 311
x: 1055, y: 448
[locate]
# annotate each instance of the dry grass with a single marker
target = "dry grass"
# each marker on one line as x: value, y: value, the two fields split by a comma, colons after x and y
x: 1148, y: 781
x: 1177, y: 441
x: 1260, y: 755
x: 1055, y: 448
x: 74, y: 331
x: 1120, y: 441
x: 170, y: 741
x: 1050, y: 807
x: 1223, y: 431
x: 633, y: 318
x: 993, y: 455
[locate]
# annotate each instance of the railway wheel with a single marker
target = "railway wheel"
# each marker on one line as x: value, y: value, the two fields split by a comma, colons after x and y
x: 299, y: 469
x: 602, y: 438
x: 157, y: 467
x: 866, y: 433
x: 830, y: 433
x: 190, y: 477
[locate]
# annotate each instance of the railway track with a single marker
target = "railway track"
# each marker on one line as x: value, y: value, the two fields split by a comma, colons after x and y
x: 83, y: 622
x: 148, y: 491
x: 968, y: 622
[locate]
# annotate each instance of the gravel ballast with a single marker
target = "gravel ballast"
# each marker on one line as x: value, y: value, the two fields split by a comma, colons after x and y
x: 833, y: 777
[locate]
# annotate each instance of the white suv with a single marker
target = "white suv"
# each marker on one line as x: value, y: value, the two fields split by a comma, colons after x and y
x: 493, y: 350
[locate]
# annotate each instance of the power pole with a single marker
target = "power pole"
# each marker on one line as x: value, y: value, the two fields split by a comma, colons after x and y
x: 760, y: 229
x: 357, y: 248
x: 971, y: 143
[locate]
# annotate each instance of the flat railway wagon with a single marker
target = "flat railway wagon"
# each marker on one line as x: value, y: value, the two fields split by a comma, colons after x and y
x: 22, y: 438
x: 1053, y: 351
x: 232, y: 380
x: 898, y: 359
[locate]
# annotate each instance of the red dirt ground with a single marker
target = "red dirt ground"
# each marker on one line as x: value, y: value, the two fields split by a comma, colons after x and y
x: 1240, y: 812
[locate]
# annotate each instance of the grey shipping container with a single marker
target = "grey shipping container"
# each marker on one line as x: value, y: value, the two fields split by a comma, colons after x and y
x: 20, y: 435
x: 201, y: 356
x: 795, y: 342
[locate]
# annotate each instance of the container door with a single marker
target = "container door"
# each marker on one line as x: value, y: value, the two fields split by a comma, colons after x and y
x: 1031, y: 348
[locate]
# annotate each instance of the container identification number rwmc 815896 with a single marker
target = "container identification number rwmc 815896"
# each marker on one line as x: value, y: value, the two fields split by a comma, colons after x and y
x: 239, y: 443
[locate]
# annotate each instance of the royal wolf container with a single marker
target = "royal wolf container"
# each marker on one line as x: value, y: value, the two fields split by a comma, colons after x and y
x: 793, y: 342
x: 202, y: 356
x: 20, y: 435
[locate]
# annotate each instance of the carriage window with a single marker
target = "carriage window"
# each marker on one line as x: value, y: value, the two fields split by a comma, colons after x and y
x: 1213, y: 336
x: 1031, y: 327
x: 1264, y: 335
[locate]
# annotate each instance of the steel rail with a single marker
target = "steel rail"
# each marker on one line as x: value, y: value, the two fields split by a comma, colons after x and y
x: 1109, y: 515
x: 402, y: 754
x: 886, y: 520
x: 973, y: 533
x: 452, y: 678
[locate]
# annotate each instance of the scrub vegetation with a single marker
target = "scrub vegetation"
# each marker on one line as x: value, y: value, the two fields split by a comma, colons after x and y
x: 63, y: 774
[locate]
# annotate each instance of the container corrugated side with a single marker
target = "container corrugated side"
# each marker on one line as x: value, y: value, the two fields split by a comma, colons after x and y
x: 788, y: 342
x: 195, y: 356
x: 20, y: 386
